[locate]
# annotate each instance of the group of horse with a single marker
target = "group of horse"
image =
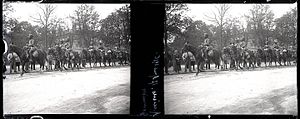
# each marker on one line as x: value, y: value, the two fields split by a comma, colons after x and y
x: 232, y: 57
x: 58, y: 58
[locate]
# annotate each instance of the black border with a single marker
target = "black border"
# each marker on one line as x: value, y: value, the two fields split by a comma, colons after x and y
x: 147, y: 21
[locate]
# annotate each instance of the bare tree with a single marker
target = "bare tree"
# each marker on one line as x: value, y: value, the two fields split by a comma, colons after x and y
x: 7, y: 20
x: 260, y: 20
x: 219, y: 19
x: 44, y: 18
x: 86, y: 22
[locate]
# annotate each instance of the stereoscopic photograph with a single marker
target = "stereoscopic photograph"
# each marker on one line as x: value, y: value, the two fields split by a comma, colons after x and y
x: 230, y: 59
x: 66, y: 58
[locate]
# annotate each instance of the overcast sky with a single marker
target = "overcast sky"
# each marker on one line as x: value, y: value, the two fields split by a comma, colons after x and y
x: 23, y: 11
x: 197, y: 11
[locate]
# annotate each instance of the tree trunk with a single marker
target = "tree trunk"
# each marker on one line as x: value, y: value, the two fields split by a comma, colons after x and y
x: 166, y: 45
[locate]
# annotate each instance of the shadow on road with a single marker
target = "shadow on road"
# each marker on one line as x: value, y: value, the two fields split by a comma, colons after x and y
x: 279, y: 101
x: 113, y: 100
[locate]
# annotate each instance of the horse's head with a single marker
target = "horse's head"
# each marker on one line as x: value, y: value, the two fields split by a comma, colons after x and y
x: 226, y: 50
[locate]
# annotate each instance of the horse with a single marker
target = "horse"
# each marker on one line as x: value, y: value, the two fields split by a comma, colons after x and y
x: 25, y: 60
x: 286, y: 56
x: 122, y: 57
x: 69, y: 57
x: 259, y: 56
x: 23, y: 53
x: 213, y: 56
x: 199, y: 56
x: 114, y: 57
x: 187, y: 57
x: 73, y: 59
x: 248, y: 57
x: 85, y: 57
x: 96, y: 56
x: 225, y: 58
x: 176, y: 61
x: 269, y: 56
x: 108, y: 57
x: 14, y: 61
x: 60, y: 58
x: 76, y: 60
x: 50, y: 58
x: 236, y: 57
x: 38, y: 56
x: 168, y: 59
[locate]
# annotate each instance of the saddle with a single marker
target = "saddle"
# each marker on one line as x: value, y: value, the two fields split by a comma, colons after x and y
x: 210, y: 52
x: 35, y: 53
x: 284, y: 50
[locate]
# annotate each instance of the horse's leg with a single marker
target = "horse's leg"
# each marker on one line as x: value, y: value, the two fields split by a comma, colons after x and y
x: 18, y: 65
x: 33, y: 64
x: 198, y: 68
x: 23, y: 68
x: 10, y: 67
x: 275, y: 60
x: 270, y: 61
x: 90, y: 62
x: 189, y: 65
x: 30, y: 63
x: 209, y: 61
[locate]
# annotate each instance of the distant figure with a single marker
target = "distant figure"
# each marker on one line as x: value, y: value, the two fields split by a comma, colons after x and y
x: 266, y: 47
x: 206, y: 40
x: 242, y: 44
x: 276, y: 45
x: 14, y: 61
x: 176, y: 61
x: 207, y: 45
x: 188, y: 57
x: 3, y: 51
x: 32, y: 46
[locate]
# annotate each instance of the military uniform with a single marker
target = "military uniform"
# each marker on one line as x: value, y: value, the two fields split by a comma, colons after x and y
x: 207, y: 43
x: 276, y: 46
x: 176, y: 61
x: 32, y: 45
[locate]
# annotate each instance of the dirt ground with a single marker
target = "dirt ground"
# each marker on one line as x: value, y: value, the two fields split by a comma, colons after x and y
x: 91, y: 91
x: 271, y: 90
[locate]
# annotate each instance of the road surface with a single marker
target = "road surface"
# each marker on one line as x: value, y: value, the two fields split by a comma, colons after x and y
x: 259, y: 91
x: 88, y: 91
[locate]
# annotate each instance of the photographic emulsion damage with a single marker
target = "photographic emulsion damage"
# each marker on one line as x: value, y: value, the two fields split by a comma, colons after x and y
x: 230, y: 59
x: 66, y: 58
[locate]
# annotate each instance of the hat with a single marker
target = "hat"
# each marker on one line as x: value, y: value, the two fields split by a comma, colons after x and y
x: 30, y: 36
x: 205, y: 35
x: 243, y: 39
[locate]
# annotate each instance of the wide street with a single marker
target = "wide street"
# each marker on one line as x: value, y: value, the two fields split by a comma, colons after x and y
x: 271, y: 90
x: 88, y: 91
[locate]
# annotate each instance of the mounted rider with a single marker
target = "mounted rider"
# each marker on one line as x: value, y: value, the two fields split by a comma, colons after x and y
x: 65, y: 44
x: 176, y: 61
x: 91, y: 48
x: 101, y: 45
x: 266, y: 47
x: 242, y: 44
x: 207, y: 43
x: 276, y: 45
x: 232, y: 43
x: 32, y: 46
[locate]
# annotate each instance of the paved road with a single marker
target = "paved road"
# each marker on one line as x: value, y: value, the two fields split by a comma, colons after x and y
x: 86, y: 91
x: 260, y: 91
